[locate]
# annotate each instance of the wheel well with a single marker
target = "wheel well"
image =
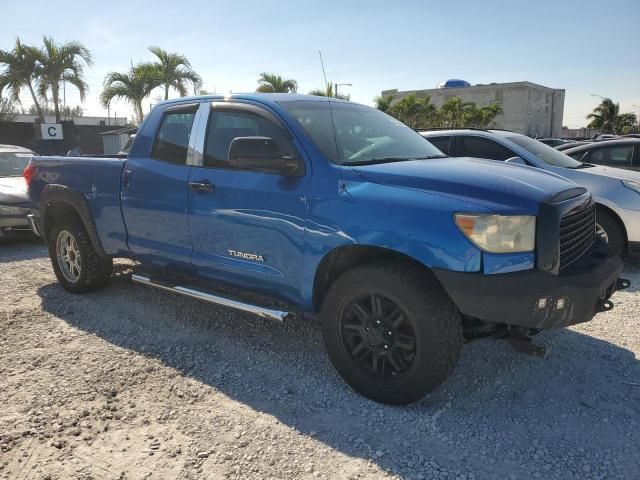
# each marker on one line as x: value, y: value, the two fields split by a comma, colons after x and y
x: 343, y: 259
x: 615, y: 216
x: 58, y: 211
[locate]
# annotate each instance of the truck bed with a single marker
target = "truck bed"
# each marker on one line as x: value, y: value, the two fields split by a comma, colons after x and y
x: 98, y: 179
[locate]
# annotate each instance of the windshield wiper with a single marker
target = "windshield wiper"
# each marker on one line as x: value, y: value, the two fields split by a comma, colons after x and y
x: 373, y: 161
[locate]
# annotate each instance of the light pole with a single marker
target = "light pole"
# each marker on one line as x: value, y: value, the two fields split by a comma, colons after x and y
x: 336, y: 85
x: 596, y: 95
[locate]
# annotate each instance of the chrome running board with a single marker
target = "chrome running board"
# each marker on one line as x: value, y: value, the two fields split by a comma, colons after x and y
x: 216, y: 299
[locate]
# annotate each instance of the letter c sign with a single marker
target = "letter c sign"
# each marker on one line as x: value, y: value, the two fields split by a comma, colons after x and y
x: 51, y: 131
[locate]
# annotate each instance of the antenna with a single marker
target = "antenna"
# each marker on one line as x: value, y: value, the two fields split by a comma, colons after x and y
x: 333, y: 124
x: 326, y: 84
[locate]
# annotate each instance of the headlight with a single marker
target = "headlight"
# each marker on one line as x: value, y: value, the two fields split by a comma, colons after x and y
x: 632, y: 185
x: 498, y: 233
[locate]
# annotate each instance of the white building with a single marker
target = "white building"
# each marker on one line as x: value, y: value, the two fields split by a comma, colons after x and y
x: 527, y: 108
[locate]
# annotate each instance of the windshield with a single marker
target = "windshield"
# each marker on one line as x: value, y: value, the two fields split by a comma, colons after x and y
x: 547, y: 154
x: 362, y: 134
x: 12, y: 163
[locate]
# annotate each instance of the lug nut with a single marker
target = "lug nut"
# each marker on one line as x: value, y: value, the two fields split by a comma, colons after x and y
x: 386, y: 347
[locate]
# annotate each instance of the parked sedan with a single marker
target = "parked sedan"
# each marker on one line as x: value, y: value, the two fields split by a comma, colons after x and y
x: 616, y: 191
x: 554, y: 142
x: 567, y: 146
x: 620, y: 153
x: 14, y: 201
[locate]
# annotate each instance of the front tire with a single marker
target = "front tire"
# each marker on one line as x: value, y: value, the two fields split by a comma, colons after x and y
x: 391, y: 332
x: 609, y: 229
x: 75, y: 261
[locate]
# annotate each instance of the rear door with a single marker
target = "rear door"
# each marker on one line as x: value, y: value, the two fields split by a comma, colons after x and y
x: 154, y: 193
x: 247, y: 227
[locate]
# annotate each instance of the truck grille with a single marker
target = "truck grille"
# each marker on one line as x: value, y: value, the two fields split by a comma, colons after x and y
x: 577, y: 234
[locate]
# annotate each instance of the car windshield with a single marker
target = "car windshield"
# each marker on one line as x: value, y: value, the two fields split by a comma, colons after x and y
x: 547, y: 154
x: 362, y: 134
x: 12, y: 163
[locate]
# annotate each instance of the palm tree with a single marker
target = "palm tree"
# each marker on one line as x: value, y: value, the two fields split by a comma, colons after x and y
x: 328, y: 92
x: 383, y: 102
x: 272, y: 83
x: 604, y: 116
x: 21, y: 69
x: 175, y: 72
x: 414, y: 111
x: 62, y: 63
x: 455, y: 113
x: 133, y: 86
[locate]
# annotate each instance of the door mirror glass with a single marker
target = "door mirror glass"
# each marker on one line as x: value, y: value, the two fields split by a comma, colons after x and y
x: 262, y: 154
x: 516, y: 160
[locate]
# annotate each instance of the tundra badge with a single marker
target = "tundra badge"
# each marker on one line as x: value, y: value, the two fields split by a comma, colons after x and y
x: 246, y: 256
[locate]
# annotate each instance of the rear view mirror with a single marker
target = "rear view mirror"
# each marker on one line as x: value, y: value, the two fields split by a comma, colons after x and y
x: 516, y: 160
x: 261, y: 154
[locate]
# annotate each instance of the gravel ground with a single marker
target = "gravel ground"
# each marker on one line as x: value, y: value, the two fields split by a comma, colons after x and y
x: 129, y: 383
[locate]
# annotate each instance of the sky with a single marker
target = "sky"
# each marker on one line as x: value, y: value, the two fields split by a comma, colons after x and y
x: 583, y: 46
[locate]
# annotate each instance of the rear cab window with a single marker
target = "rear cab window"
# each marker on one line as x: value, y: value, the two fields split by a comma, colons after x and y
x: 172, y: 141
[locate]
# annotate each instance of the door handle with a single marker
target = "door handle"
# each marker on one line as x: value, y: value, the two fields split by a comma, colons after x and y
x: 126, y: 178
x: 203, y: 186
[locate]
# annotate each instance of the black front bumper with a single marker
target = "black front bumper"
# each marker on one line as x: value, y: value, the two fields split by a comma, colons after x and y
x: 533, y: 298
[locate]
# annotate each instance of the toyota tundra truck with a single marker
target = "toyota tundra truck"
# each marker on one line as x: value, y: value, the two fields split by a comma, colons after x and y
x: 315, y: 205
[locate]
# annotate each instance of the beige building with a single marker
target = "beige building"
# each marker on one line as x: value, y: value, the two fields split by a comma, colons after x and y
x: 527, y: 108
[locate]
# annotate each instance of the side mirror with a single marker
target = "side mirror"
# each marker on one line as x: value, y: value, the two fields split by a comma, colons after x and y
x: 261, y: 154
x: 516, y: 160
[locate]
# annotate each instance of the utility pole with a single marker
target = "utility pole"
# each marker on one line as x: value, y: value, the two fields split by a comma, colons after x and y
x: 109, y: 113
x: 64, y: 98
x: 336, y: 85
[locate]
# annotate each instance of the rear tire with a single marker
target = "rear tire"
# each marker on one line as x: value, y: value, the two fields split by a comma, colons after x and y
x: 391, y: 331
x: 76, y: 263
x: 610, y: 231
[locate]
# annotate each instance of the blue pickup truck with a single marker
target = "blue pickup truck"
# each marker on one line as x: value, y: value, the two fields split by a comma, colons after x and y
x: 325, y: 206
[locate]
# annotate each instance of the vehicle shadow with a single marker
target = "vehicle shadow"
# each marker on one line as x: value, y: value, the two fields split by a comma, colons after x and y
x: 282, y: 370
x: 21, y: 247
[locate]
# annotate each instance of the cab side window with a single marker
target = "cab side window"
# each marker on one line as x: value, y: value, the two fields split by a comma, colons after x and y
x: 225, y: 126
x: 172, y: 140
x: 483, y: 148
x: 441, y: 143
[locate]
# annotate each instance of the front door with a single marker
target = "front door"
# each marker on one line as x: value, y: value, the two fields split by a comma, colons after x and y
x: 247, y: 226
x: 154, y: 194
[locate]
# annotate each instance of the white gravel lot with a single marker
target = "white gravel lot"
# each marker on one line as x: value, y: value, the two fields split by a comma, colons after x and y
x: 129, y: 383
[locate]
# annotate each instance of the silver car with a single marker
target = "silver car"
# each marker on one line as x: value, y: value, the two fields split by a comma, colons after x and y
x: 616, y: 191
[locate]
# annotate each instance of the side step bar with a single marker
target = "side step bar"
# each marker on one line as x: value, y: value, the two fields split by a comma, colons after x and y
x: 216, y: 299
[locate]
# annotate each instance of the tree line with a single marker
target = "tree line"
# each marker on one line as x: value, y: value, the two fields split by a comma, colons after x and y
x: 41, y: 70
x: 419, y: 113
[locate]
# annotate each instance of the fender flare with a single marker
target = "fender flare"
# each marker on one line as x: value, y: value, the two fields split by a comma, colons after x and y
x: 53, y: 194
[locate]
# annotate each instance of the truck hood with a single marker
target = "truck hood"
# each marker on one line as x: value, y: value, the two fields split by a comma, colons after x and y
x: 495, y: 185
x: 13, y: 190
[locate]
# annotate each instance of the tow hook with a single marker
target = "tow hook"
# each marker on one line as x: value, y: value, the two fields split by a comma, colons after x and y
x: 604, y: 304
x: 622, y: 284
